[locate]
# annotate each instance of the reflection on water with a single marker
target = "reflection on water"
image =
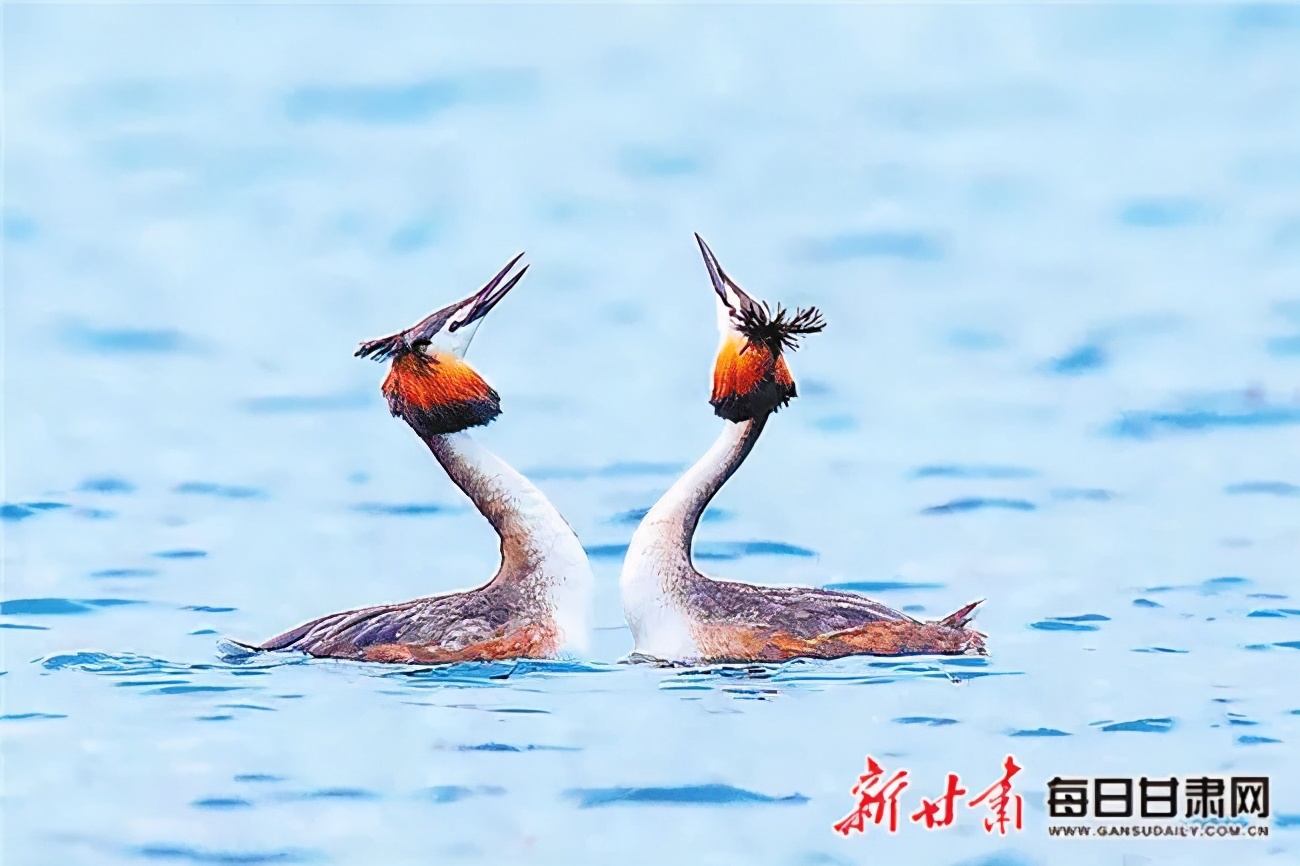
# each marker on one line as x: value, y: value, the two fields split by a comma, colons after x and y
x: 1059, y: 373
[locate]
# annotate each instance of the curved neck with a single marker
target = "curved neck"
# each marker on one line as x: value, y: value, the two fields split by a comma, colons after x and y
x: 675, y: 516
x: 530, y: 527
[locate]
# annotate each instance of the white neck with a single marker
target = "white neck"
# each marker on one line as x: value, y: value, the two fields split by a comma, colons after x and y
x: 540, y: 553
x: 658, y: 558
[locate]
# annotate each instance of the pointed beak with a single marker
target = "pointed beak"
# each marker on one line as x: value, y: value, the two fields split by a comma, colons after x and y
x: 437, y: 326
x: 714, y: 269
x: 482, y: 301
x: 728, y: 292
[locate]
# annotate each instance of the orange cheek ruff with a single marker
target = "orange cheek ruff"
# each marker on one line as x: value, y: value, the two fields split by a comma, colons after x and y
x: 439, y: 394
x: 740, y: 368
x: 749, y: 381
x: 425, y: 382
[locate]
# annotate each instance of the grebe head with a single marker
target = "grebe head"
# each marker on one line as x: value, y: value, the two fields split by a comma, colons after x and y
x: 750, y: 376
x: 429, y: 384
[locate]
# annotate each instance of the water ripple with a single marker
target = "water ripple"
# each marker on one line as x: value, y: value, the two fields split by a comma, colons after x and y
x: 928, y: 721
x: 820, y: 673
x: 107, y: 485
x: 14, y: 511
x: 61, y: 606
x: 400, y: 509
x: 125, y: 341
x: 680, y: 795
x: 1210, y: 586
x: 634, y: 516
x: 979, y: 503
x: 222, y: 803
x: 124, y: 572
x: 739, y: 549
x: 1070, y: 623
x: 331, y: 794
x: 974, y: 472
x: 189, y: 854
x: 1082, y: 494
x: 456, y: 793
x: 1149, y: 425
x: 131, y: 665
x: 1141, y: 726
x: 477, y: 674
x: 224, y: 491
x: 1088, y: 358
x: 506, y: 747
x: 1268, y: 488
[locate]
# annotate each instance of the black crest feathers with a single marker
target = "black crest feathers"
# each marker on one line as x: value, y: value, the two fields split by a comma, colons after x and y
x: 779, y: 330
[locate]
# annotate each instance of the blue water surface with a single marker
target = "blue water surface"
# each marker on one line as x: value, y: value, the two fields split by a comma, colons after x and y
x: 1057, y: 249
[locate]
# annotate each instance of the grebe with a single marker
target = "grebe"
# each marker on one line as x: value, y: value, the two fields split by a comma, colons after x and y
x: 537, y: 605
x: 676, y: 613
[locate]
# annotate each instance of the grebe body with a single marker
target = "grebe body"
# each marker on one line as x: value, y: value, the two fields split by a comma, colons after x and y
x: 678, y: 614
x: 538, y: 603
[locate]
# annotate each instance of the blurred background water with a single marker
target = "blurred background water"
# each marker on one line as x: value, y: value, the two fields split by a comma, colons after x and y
x: 1058, y: 251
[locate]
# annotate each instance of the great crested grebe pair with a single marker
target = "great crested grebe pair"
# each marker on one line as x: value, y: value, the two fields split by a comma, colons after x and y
x: 538, y: 603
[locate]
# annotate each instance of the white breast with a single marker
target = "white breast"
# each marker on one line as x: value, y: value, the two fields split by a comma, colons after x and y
x: 570, y: 583
x: 660, y: 627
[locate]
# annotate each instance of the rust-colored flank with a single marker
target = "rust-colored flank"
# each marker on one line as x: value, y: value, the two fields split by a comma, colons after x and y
x: 530, y: 641
x: 888, y: 638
